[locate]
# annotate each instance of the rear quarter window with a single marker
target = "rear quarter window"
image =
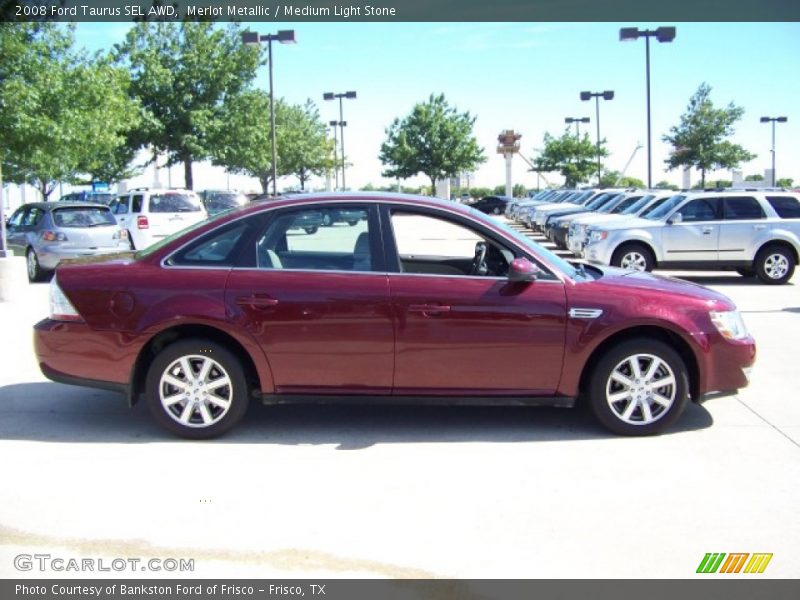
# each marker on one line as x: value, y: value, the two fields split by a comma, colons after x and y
x: 787, y: 207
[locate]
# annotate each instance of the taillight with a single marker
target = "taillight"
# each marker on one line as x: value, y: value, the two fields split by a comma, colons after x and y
x: 141, y: 222
x: 61, y: 308
x: 53, y: 236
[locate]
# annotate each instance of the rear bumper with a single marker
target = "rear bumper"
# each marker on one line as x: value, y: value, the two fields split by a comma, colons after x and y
x: 49, y: 256
x: 74, y: 353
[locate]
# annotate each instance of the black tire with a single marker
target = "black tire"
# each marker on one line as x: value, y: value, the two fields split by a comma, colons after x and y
x: 616, y: 360
x: 35, y: 271
x: 629, y: 254
x: 195, y: 350
x: 496, y: 211
x: 311, y: 230
x: 774, y: 265
x: 352, y: 223
x: 327, y: 219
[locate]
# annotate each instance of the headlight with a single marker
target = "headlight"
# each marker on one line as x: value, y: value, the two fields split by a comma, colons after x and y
x: 729, y: 324
x: 597, y: 236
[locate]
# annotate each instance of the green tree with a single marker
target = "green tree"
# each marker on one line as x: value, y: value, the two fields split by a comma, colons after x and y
x: 435, y: 139
x: 480, y: 192
x: 616, y: 179
x: 786, y: 182
x: 64, y: 114
x: 666, y: 185
x: 519, y: 191
x: 700, y: 140
x: 183, y: 75
x: 305, y: 148
x: 575, y: 158
x: 755, y: 177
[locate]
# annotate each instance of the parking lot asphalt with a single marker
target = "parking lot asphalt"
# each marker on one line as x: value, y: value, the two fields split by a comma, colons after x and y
x: 405, y: 491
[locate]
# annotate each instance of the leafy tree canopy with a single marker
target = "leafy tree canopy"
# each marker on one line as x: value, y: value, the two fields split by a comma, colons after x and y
x: 575, y: 158
x: 700, y: 140
x: 435, y: 139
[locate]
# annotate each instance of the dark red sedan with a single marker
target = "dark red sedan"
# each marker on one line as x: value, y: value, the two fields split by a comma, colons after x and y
x: 418, y: 300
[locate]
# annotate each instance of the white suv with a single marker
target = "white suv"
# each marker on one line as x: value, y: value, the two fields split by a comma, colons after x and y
x: 756, y: 233
x: 150, y: 214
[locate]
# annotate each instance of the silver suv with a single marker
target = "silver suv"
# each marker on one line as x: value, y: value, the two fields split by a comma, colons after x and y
x: 756, y: 233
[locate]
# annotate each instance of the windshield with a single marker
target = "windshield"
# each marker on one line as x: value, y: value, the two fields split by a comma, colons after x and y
x: 610, y: 204
x: 217, y: 201
x: 172, y: 202
x: 665, y: 208
x: 527, y: 242
x: 654, y: 206
x: 83, y: 216
x: 632, y: 209
x: 598, y: 201
x: 618, y: 206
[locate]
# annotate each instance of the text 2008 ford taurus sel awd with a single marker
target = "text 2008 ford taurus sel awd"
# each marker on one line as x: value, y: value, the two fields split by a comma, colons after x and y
x: 419, y: 300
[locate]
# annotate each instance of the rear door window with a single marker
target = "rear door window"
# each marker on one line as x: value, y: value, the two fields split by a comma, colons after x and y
x: 742, y: 208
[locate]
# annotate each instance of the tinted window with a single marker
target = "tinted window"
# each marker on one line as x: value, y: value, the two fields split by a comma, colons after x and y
x: 173, y: 202
x: 296, y: 240
x: 787, y: 207
x: 218, y: 201
x: 16, y: 218
x: 217, y: 248
x: 665, y: 208
x: 742, y: 208
x: 702, y: 209
x: 32, y: 217
x: 83, y: 216
x: 137, y: 203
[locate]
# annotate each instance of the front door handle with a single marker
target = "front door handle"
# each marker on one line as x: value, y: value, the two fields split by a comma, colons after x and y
x: 429, y: 309
x: 707, y: 230
x: 759, y: 227
x: 257, y: 301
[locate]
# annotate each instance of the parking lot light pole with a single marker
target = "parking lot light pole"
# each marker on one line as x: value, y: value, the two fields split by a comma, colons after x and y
x: 577, y: 121
x: 251, y: 38
x: 663, y: 35
x: 334, y: 125
x: 607, y: 95
x: 342, y: 123
x: 773, y: 120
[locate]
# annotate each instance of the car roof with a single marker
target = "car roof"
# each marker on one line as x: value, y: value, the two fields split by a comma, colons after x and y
x: 48, y: 206
x: 333, y: 197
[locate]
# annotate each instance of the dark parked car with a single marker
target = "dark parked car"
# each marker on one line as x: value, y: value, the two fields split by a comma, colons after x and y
x: 88, y: 196
x: 340, y: 215
x: 217, y: 201
x: 494, y: 205
x: 422, y: 300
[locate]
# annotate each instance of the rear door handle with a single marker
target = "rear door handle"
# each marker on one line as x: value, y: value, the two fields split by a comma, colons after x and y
x: 707, y: 230
x: 759, y: 227
x: 257, y: 301
x: 429, y: 309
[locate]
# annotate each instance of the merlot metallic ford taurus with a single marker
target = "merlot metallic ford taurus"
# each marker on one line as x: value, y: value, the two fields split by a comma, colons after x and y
x: 419, y: 300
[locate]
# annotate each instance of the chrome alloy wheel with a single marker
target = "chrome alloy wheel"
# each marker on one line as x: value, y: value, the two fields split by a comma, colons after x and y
x: 633, y: 261
x: 641, y: 389
x: 776, y: 265
x: 33, y: 265
x: 195, y: 391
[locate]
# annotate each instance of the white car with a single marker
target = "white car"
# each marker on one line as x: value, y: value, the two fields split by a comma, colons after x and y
x: 151, y: 214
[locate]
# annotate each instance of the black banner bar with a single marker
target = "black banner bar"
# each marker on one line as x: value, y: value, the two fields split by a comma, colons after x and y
x: 399, y: 10
x: 733, y: 588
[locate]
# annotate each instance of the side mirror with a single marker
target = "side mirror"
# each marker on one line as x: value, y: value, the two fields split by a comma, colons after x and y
x: 522, y: 270
x: 675, y: 219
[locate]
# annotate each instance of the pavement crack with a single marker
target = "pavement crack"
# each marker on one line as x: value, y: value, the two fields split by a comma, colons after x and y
x: 775, y: 427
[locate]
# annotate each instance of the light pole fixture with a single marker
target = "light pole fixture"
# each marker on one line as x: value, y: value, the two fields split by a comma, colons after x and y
x: 662, y: 34
x: 577, y: 121
x: 252, y: 38
x: 607, y: 95
x: 342, y: 122
x: 773, y: 120
x: 334, y: 125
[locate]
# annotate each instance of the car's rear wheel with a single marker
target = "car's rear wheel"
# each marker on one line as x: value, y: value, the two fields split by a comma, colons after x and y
x: 639, y: 387
x: 35, y: 271
x: 634, y: 257
x: 774, y: 265
x: 352, y: 223
x: 197, y: 389
x: 311, y: 230
x: 496, y: 210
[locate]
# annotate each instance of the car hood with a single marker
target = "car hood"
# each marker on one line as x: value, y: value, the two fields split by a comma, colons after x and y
x: 624, y: 281
x: 631, y: 223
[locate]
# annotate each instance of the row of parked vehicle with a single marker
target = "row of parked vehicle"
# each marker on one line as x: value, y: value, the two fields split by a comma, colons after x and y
x: 755, y: 232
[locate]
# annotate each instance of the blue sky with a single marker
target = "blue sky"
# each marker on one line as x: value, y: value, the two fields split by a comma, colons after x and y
x: 527, y: 77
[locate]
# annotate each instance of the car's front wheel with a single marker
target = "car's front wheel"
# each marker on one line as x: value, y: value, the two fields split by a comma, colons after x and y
x: 634, y: 257
x: 774, y: 265
x: 197, y: 389
x: 311, y: 230
x: 639, y: 387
